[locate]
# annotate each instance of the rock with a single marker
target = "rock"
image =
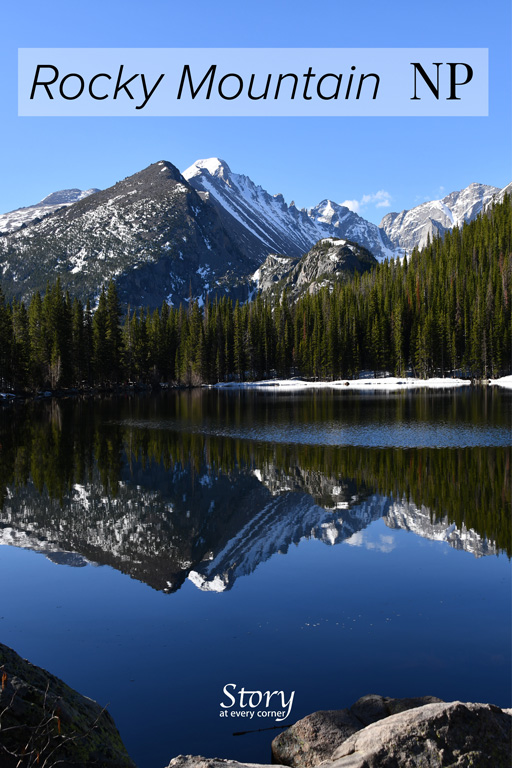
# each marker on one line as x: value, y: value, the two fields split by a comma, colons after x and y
x: 422, y: 732
x: 38, y: 709
x: 314, y: 738
x: 434, y: 736
x: 329, y: 261
x: 196, y: 761
x: 369, y: 709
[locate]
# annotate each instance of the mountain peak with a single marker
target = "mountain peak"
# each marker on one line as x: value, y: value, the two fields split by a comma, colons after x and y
x: 212, y: 165
x: 272, y: 226
x: 14, y: 220
x: 67, y: 196
x: 413, y: 228
x: 154, y: 171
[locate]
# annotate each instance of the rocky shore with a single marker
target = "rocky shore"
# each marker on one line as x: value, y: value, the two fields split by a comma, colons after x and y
x: 45, y: 722
x: 379, y: 732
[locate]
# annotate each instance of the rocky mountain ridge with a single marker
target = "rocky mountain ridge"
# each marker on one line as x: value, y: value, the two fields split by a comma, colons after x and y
x: 166, y: 236
x: 151, y: 233
x: 413, y: 228
x: 269, y: 224
x: 328, y: 262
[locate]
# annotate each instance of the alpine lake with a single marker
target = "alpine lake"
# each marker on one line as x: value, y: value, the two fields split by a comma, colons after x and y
x: 163, y: 552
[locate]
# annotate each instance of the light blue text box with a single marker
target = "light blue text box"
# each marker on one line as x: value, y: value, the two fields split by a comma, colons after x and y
x: 391, y: 94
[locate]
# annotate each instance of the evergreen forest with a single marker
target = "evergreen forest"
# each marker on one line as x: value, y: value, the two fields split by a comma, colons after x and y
x: 443, y: 311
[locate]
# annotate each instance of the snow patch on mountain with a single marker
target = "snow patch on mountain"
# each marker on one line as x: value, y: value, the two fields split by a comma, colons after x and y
x: 413, y: 228
x: 499, y: 197
x: 10, y: 222
x: 278, y: 227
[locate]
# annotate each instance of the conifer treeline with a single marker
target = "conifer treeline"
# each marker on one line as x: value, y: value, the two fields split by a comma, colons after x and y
x: 445, y: 309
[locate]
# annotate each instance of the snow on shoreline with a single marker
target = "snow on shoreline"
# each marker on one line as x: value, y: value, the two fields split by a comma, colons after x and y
x: 389, y: 383
x: 505, y: 381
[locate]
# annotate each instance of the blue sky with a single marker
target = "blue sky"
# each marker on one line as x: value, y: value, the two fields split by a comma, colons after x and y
x: 382, y: 164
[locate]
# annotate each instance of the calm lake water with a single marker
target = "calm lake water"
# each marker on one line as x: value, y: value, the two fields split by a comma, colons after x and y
x: 159, y: 548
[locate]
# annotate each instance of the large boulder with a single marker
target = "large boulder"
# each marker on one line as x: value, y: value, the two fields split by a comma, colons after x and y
x: 433, y: 736
x: 42, y: 718
x: 389, y: 733
x: 314, y: 738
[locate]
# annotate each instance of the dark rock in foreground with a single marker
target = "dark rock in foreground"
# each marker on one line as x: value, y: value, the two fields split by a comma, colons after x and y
x: 379, y: 732
x: 42, y: 718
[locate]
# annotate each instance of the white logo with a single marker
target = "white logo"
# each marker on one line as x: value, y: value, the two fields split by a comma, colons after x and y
x: 275, y: 704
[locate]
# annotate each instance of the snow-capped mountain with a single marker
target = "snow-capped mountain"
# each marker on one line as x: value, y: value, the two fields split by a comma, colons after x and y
x: 151, y: 232
x: 350, y: 226
x: 411, y: 229
x: 164, y: 236
x: 264, y: 223
x: 13, y: 220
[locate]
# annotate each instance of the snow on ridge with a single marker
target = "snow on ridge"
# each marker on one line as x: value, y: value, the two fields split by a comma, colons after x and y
x: 214, y: 166
x: 227, y: 204
x: 333, y: 240
x: 266, y: 216
x: 67, y: 196
x: 411, y: 228
x: 14, y: 220
x: 278, y: 225
x: 444, y: 208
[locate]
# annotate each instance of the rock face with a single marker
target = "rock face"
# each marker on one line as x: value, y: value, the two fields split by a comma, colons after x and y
x: 151, y: 232
x: 411, y: 229
x: 379, y: 732
x: 41, y: 714
x: 262, y: 223
x: 436, y: 735
x: 329, y: 261
x: 313, y: 739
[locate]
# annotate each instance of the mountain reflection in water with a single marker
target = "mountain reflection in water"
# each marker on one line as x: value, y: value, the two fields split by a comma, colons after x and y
x: 106, y: 481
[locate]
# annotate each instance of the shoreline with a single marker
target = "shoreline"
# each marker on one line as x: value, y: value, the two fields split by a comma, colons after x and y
x: 381, y: 384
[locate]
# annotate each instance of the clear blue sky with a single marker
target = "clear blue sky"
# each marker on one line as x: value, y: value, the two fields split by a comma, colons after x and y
x: 306, y: 159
